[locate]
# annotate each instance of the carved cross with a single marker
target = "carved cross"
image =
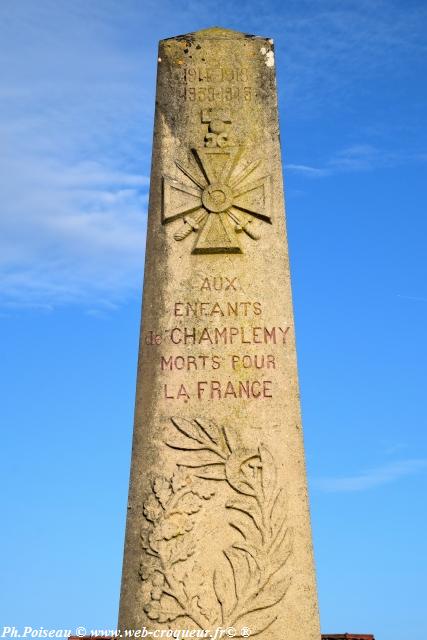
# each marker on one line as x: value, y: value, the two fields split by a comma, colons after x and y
x: 220, y: 199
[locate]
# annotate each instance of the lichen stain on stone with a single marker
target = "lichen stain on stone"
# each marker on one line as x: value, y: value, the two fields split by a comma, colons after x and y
x: 269, y: 56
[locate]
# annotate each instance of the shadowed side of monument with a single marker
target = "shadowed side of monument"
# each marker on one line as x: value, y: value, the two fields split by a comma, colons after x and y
x: 218, y: 531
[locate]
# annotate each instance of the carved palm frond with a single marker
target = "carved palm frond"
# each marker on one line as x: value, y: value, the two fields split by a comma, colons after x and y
x: 254, y: 577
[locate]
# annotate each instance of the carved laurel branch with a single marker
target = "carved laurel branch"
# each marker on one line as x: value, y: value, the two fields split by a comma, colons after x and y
x: 254, y: 577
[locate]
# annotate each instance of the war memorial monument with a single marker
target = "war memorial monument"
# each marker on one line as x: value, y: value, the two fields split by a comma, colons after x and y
x: 218, y: 529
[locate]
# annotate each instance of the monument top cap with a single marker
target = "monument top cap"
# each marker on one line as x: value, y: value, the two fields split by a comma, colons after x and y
x: 216, y: 33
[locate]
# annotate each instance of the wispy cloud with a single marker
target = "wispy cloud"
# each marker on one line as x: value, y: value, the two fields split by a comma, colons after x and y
x: 371, y: 478
x: 413, y: 298
x: 74, y: 150
x: 331, y: 48
x: 76, y: 120
x: 70, y: 233
x: 358, y: 157
x: 312, y: 172
x: 363, y: 157
x: 395, y: 447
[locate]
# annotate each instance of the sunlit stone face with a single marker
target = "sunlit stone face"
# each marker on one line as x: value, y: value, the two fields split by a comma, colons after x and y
x: 218, y: 533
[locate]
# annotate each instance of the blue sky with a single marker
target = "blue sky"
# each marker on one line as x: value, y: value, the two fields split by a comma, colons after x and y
x: 76, y: 112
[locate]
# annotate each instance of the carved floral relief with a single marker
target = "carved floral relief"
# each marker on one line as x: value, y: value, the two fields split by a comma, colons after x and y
x: 252, y: 576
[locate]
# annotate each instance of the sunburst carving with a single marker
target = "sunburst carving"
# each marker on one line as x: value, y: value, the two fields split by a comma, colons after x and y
x: 222, y: 196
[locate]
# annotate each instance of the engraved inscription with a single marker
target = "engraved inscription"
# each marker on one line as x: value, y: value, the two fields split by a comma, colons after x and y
x: 208, y: 73
x: 252, y: 575
x: 214, y: 94
x: 229, y: 343
x: 219, y: 336
x: 217, y: 84
x: 221, y: 198
x: 217, y: 390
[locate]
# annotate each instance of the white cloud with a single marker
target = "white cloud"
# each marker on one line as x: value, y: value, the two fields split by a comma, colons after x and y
x: 304, y: 169
x: 70, y: 233
x: 76, y: 106
x: 414, y: 298
x: 74, y: 150
x: 363, y: 157
x: 358, y: 157
x: 371, y: 478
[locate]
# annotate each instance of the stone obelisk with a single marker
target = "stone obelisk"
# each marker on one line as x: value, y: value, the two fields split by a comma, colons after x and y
x: 218, y: 529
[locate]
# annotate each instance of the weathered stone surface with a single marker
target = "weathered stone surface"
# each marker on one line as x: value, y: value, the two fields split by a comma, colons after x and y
x: 218, y: 530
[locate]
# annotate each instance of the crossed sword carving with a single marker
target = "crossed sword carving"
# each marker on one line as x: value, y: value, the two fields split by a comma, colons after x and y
x: 192, y: 223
